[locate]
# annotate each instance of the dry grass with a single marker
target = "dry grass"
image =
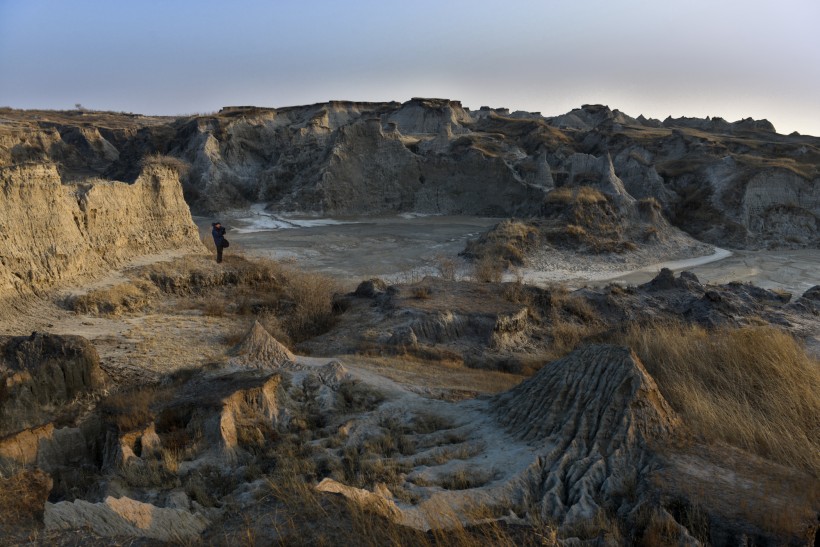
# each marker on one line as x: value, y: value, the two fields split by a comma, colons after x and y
x: 131, y: 409
x: 447, y: 267
x: 465, y: 478
x: 505, y: 245
x: 298, y: 304
x: 421, y: 293
x: 583, y: 218
x: 580, y: 194
x: 755, y: 388
x: 148, y: 474
x: 601, y: 527
x: 453, y: 378
x: 125, y: 297
x: 308, y: 517
x: 312, y: 312
x: 488, y: 269
x: 567, y: 318
x: 195, y: 274
x: 23, y: 494
x: 356, y: 396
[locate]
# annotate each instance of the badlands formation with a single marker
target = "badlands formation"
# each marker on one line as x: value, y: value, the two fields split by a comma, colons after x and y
x: 147, y: 395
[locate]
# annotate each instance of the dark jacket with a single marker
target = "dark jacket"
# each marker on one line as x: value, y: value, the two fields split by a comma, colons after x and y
x: 219, y: 235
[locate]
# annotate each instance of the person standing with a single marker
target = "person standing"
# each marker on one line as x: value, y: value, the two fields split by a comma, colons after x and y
x: 218, y: 232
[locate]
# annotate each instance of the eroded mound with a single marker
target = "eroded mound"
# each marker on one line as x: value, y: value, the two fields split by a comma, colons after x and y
x: 600, y: 395
x: 596, y: 412
x: 261, y: 350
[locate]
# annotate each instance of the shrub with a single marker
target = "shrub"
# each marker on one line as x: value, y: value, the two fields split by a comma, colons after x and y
x: 446, y: 267
x: 488, y: 269
x: 312, y: 310
x: 355, y: 396
x: 130, y: 409
x: 581, y: 194
x: 23, y: 494
x: 421, y: 293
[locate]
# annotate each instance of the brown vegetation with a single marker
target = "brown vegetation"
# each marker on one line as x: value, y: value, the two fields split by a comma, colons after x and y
x: 583, y: 195
x: 755, y: 388
x: 131, y: 296
x: 23, y: 493
x: 296, y: 305
x: 130, y: 409
x: 505, y: 245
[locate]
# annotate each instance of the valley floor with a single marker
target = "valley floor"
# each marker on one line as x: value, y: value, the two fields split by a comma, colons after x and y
x: 405, y: 248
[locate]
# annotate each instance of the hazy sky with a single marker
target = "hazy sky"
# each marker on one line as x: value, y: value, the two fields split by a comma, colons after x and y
x: 725, y: 58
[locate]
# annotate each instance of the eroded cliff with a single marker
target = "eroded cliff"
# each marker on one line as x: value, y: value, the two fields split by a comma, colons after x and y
x: 736, y: 184
x: 55, y: 232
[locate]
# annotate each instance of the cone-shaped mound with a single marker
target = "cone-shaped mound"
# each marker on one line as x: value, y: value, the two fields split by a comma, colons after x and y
x: 262, y: 350
x: 600, y: 392
x: 596, y: 413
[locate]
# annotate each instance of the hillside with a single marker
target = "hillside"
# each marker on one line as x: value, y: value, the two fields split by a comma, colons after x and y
x: 737, y: 184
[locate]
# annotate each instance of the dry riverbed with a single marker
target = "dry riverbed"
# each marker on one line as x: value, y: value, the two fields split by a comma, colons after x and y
x: 405, y: 248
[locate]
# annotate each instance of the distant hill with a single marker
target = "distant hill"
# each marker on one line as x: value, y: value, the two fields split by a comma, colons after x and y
x: 737, y: 184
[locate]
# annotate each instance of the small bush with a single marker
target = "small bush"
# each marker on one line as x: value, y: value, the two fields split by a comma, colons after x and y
x: 23, y: 494
x: 355, y: 396
x: 214, y: 307
x: 447, y: 267
x: 589, y: 196
x: 488, y: 269
x: 465, y: 478
x: 130, y: 409
x: 421, y: 293
x: 312, y: 310
x: 582, y: 194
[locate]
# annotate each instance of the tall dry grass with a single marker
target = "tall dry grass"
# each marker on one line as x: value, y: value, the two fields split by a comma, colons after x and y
x: 23, y: 493
x: 505, y: 245
x: 755, y: 388
x: 312, y: 296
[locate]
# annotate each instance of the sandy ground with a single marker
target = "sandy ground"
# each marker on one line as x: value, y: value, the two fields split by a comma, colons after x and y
x: 793, y: 271
x: 395, y: 248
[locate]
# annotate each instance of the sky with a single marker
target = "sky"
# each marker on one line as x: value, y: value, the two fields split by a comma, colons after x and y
x: 698, y: 58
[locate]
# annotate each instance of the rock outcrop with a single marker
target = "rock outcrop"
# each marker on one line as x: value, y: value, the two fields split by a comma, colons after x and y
x: 41, y: 374
x: 55, y: 232
x: 125, y: 517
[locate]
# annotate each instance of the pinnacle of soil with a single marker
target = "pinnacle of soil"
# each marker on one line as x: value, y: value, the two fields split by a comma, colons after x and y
x: 262, y: 350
